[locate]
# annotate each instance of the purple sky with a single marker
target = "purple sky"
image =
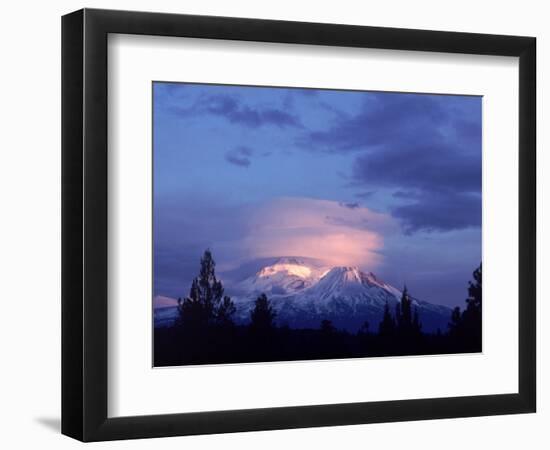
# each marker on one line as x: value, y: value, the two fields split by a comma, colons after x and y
x: 389, y: 182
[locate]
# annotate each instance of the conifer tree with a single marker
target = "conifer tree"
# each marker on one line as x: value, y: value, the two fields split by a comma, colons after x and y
x: 262, y: 317
x: 465, y: 326
x: 471, y: 317
x: 473, y: 301
x: 397, y: 315
x: 225, y: 310
x: 404, y: 316
x: 386, y: 327
x: 206, y: 303
x: 455, y: 323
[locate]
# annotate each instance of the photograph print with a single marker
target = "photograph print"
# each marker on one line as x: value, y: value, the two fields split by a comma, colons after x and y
x: 307, y: 224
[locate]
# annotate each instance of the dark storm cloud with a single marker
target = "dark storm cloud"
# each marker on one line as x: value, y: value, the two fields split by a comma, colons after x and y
x: 239, y: 156
x: 236, y: 112
x: 428, y: 168
x: 383, y: 117
x: 425, y: 147
x: 440, y: 212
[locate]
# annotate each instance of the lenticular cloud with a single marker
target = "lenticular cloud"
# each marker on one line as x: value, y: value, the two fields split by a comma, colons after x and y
x: 321, y: 229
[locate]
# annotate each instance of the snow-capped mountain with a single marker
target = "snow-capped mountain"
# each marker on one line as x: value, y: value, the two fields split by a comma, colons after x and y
x: 284, y: 277
x: 350, y: 282
x: 305, y: 293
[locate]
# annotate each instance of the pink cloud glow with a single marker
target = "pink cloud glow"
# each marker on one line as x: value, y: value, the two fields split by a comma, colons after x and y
x: 327, y: 230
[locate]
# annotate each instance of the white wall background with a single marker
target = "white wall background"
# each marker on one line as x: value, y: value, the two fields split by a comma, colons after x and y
x: 30, y: 226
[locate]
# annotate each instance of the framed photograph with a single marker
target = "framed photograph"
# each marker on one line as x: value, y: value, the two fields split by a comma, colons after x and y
x: 273, y: 224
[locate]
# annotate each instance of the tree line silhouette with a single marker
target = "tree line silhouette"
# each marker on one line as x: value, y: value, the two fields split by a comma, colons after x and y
x: 205, y: 333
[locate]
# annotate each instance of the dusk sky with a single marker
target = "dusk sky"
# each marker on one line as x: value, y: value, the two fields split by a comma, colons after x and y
x: 388, y: 182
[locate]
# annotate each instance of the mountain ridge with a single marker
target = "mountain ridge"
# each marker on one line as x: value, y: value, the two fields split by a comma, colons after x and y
x: 304, y: 292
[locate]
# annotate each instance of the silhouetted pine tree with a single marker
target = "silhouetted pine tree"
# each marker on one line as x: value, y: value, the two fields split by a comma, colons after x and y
x: 206, y: 304
x: 473, y: 301
x: 397, y: 319
x: 261, y: 341
x: 404, y: 316
x: 262, y: 317
x: 455, y: 323
x: 386, y: 327
x: 465, y: 326
x: 471, y: 317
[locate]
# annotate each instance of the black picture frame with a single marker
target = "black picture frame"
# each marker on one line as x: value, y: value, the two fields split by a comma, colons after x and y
x: 84, y: 224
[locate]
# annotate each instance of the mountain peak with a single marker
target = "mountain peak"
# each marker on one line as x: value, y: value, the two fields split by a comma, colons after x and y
x: 287, y: 275
x: 288, y: 266
x: 344, y: 273
x: 312, y: 279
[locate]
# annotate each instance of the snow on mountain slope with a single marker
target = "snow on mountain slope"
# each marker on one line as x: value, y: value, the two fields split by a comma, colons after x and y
x: 351, y: 282
x: 303, y: 296
x: 304, y: 292
x: 286, y: 276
